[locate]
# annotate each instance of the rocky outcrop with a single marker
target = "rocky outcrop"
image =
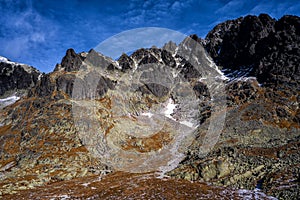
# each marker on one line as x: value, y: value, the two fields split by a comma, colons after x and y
x: 125, y: 62
x: 267, y: 47
x: 15, y: 77
x: 59, y: 83
x: 70, y: 62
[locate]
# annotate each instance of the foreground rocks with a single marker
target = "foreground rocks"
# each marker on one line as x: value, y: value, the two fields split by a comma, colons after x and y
x: 133, y: 186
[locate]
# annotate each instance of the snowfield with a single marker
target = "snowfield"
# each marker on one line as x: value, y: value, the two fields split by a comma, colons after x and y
x: 8, y: 101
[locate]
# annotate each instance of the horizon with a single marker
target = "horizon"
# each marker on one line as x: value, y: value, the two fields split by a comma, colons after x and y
x: 39, y: 33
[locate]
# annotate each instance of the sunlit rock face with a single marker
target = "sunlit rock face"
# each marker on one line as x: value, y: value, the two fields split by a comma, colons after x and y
x: 140, y: 113
x: 137, y: 114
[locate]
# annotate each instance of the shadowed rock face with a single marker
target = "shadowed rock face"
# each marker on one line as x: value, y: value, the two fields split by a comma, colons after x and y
x: 14, y: 77
x: 258, y: 147
x: 125, y: 62
x: 232, y: 43
x: 70, y: 62
x: 267, y: 47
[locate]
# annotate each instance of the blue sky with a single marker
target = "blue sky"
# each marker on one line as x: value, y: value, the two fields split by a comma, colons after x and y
x: 39, y: 32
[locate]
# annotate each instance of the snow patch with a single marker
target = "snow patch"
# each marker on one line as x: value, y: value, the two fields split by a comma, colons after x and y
x: 148, y: 114
x: 214, y: 66
x: 8, y: 101
x: 85, y: 184
x: 247, y: 194
x: 170, y: 109
x: 246, y: 78
x: 189, y: 124
x: 117, y: 64
x: 40, y: 77
x: 5, y: 60
x: 239, y: 74
x: 202, y: 78
x: 61, y: 197
x: 135, y: 65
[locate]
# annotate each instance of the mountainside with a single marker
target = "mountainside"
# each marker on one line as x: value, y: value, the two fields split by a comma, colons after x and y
x: 160, y: 110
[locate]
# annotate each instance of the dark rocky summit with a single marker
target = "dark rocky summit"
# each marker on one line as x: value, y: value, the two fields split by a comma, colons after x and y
x: 125, y: 62
x: 15, y: 77
x: 266, y: 48
x: 70, y: 62
x: 257, y: 149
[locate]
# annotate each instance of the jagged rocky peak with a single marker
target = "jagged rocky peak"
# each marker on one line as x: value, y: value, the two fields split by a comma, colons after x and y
x: 259, y: 45
x: 16, y: 77
x: 70, y: 62
x: 232, y: 43
x: 97, y: 59
x: 57, y: 85
x: 170, y: 46
x: 125, y: 62
x: 145, y: 56
x: 60, y: 83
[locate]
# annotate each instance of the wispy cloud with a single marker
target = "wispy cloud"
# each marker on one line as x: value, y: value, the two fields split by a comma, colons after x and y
x: 277, y: 9
x: 154, y: 12
x: 22, y: 29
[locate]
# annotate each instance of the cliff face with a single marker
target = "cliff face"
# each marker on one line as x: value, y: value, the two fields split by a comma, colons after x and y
x: 16, y: 76
x: 261, y: 46
x: 42, y: 141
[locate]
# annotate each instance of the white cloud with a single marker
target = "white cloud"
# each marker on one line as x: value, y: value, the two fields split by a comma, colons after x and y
x: 24, y: 30
x: 26, y: 36
x: 15, y: 47
x: 154, y: 12
x: 179, y: 5
x: 230, y: 7
x: 276, y: 9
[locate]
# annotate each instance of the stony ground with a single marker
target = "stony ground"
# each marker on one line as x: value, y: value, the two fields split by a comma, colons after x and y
x: 258, y: 148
